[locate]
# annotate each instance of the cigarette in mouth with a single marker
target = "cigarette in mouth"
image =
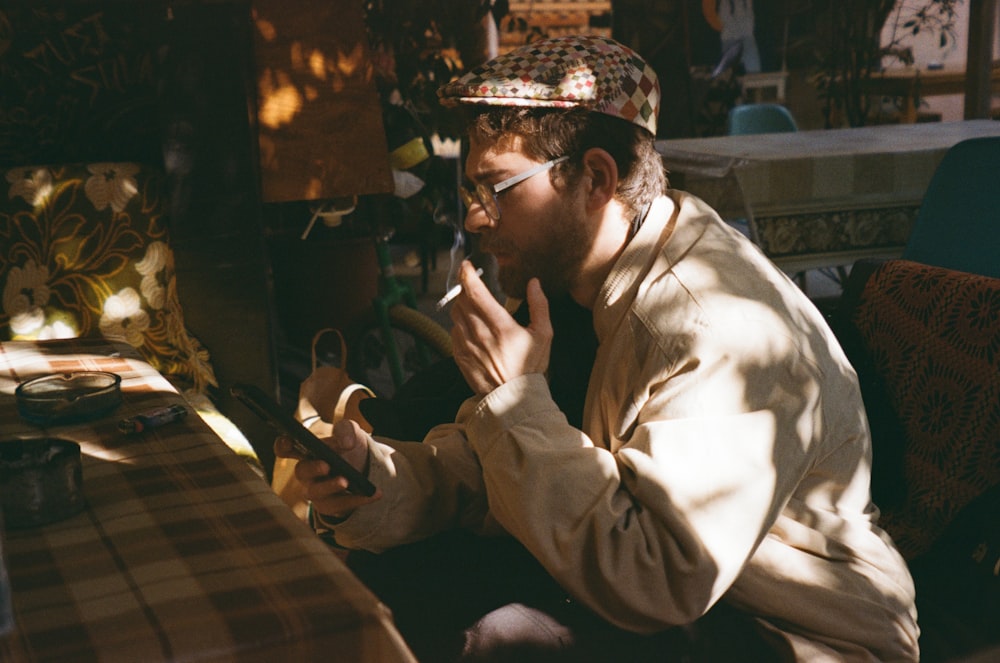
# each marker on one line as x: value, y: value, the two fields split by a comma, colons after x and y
x: 453, y: 293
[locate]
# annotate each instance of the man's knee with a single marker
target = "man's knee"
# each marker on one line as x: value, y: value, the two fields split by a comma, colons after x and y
x: 516, y: 633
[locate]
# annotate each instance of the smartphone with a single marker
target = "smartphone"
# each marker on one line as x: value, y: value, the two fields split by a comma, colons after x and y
x: 305, y: 442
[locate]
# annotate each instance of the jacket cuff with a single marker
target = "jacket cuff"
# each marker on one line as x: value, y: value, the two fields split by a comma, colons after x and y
x: 508, y: 406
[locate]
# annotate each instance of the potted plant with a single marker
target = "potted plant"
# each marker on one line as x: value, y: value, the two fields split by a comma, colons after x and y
x: 849, y: 48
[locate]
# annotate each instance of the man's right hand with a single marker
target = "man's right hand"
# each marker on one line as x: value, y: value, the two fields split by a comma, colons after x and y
x: 328, y: 494
x: 489, y: 346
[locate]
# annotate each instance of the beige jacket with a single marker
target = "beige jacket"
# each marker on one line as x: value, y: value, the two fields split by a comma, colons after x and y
x: 725, y: 455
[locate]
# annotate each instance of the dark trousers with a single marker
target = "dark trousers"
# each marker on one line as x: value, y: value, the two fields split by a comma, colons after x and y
x: 458, y: 597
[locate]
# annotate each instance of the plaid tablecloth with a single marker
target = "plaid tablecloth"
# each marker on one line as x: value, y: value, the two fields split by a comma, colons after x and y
x: 183, y: 553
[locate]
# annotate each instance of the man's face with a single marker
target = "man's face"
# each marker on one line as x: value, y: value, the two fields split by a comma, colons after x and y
x: 540, y: 231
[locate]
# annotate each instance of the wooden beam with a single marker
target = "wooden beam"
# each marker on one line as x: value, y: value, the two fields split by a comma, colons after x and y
x: 979, y: 58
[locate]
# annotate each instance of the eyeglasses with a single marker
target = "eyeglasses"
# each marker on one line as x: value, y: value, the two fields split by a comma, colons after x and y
x: 486, y: 194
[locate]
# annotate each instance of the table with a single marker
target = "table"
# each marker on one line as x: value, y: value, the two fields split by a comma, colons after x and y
x: 183, y: 553
x: 910, y: 84
x: 823, y: 198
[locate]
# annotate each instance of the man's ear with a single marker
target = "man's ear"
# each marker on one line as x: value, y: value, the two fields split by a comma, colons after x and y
x: 602, y: 172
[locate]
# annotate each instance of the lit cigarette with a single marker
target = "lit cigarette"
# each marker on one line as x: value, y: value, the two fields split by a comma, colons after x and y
x: 453, y: 293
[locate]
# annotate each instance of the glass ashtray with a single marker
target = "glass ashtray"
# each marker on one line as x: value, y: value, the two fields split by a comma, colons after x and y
x: 68, y: 397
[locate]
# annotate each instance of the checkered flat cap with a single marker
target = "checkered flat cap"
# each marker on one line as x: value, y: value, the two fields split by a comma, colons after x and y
x: 564, y: 72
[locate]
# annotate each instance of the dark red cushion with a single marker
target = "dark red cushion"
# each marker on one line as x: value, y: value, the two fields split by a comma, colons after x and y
x: 932, y: 336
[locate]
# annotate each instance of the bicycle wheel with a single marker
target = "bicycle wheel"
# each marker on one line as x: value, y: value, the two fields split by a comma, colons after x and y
x: 419, y: 342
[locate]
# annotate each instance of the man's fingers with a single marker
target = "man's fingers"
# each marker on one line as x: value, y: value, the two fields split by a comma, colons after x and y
x: 538, y: 309
x: 284, y: 447
x: 473, y: 287
x: 347, y: 435
x: 310, y: 469
x: 329, y: 495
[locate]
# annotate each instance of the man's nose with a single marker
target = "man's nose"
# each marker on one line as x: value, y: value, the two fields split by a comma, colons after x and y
x: 476, y: 219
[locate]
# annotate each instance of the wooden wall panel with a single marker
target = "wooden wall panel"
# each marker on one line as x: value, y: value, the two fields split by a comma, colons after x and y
x: 318, y: 114
x: 78, y: 82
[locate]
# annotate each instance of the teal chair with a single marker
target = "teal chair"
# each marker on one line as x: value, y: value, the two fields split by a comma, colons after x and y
x: 958, y: 225
x: 759, y: 119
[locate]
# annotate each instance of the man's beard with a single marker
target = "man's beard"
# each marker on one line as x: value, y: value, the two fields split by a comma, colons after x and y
x: 555, y: 259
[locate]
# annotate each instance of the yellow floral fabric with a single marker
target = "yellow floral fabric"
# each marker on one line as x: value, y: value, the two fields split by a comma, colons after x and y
x: 84, y: 251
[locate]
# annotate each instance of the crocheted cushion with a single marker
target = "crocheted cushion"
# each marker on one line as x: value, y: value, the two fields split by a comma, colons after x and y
x: 84, y: 251
x: 932, y: 335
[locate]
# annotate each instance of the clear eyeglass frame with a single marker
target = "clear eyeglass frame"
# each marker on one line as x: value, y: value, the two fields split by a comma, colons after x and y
x: 486, y: 194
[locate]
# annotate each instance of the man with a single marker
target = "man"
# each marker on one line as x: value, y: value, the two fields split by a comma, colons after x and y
x: 712, y: 502
x: 737, y: 20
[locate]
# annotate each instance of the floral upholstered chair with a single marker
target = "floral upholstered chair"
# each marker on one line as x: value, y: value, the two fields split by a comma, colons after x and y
x: 85, y: 251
